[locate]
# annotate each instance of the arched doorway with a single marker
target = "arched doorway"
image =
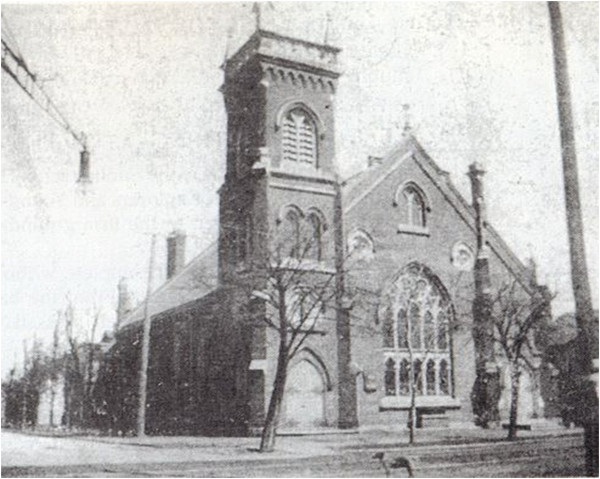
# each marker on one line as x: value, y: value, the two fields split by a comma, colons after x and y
x: 304, y: 400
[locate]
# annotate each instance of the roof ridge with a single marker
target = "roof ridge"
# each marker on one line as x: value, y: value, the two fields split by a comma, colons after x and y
x: 200, y: 256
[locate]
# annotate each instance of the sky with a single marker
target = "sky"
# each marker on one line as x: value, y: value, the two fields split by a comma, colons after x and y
x: 141, y: 80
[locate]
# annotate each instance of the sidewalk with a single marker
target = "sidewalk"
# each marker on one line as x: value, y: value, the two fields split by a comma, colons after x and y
x: 20, y: 449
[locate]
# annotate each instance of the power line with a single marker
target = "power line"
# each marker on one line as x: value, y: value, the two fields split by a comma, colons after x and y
x: 16, y: 67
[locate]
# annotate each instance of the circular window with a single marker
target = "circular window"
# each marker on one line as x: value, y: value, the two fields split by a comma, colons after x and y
x: 462, y: 257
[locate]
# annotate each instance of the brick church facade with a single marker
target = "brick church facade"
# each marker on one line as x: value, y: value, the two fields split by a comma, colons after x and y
x: 399, y: 222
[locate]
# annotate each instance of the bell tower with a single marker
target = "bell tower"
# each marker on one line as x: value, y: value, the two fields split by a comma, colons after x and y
x: 279, y: 97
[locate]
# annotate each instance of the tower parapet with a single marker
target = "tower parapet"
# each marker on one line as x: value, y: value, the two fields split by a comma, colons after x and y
x: 285, y: 51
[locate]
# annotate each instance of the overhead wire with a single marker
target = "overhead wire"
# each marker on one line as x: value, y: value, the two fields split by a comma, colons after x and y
x: 45, y: 102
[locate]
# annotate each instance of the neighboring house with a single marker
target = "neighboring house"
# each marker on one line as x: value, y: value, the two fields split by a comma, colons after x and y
x: 211, y: 368
x: 51, y: 407
x: 560, y: 373
x: 66, y: 397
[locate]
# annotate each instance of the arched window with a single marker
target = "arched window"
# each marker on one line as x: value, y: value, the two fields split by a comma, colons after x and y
x: 404, y: 377
x: 415, y: 207
x: 430, y: 377
x: 315, y: 237
x: 418, y: 376
x: 360, y: 246
x: 422, y: 311
x: 299, y: 137
x: 290, y: 233
x: 444, y: 379
x: 412, y: 206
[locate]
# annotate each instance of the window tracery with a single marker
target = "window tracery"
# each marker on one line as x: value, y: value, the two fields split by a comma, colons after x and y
x: 416, y: 319
x: 360, y: 246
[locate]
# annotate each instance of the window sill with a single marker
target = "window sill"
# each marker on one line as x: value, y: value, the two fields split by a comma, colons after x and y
x: 413, y: 230
x: 304, y: 265
x: 418, y: 353
x: 422, y: 402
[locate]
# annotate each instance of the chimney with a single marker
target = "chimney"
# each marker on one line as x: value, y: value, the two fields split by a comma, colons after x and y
x: 124, y: 303
x: 175, y: 253
x: 532, y: 272
x: 374, y: 161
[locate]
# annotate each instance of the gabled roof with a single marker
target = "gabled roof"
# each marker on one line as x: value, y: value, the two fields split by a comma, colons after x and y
x: 195, y: 280
x: 360, y: 185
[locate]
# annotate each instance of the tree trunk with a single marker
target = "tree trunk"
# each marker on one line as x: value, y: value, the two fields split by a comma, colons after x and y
x: 412, y: 417
x: 269, y: 433
x: 515, y: 380
x: 412, y: 381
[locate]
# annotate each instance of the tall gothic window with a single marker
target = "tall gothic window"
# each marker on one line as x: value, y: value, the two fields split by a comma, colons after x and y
x: 301, y: 236
x: 315, y: 237
x: 416, y: 349
x: 291, y: 233
x: 299, y: 137
x: 413, y: 210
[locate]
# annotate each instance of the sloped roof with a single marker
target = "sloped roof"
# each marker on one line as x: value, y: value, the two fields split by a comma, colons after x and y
x: 360, y: 185
x: 195, y: 280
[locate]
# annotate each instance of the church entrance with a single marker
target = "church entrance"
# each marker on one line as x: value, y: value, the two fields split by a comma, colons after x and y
x: 304, y: 400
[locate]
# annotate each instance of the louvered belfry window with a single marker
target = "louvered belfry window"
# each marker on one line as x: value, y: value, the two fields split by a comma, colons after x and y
x: 299, y: 137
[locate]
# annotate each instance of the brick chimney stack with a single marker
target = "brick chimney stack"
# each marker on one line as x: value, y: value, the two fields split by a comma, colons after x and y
x: 175, y: 253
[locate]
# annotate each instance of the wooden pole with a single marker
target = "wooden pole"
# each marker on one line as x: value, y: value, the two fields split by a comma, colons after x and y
x: 587, y: 402
x: 579, y: 274
x: 143, y: 383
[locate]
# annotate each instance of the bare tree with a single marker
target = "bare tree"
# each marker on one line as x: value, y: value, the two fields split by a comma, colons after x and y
x: 73, y: 376
x: 34, y: 379
x: 296, y: 295
x: 54, y: 368
x: 88, y: 397
x: 79, y: 371
x: 516, y: 316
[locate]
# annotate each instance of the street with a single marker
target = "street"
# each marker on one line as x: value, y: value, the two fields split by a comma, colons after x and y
x: 549, y: 456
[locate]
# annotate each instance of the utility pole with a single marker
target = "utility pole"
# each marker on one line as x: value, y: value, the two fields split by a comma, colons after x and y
x: 143, y: 384
x: 584, y: 313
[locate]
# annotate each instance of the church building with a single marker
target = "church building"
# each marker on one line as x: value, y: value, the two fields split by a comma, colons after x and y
x: 397, y: 231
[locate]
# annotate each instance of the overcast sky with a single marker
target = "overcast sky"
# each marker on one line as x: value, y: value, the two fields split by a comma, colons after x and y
x: 141, y: 80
